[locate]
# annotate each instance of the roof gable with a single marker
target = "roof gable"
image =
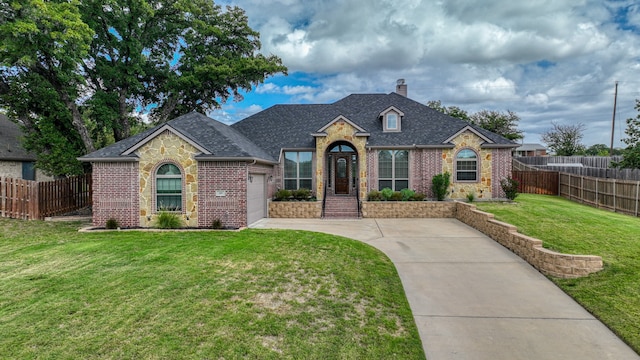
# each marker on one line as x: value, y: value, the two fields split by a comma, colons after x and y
x: 215, y: 141
x: 471, y: 129
x: 322, y: 130
x: 157, y: 132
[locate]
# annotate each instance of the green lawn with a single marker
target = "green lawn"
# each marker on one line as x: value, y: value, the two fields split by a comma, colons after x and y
x: 254, y: 294
x: 613, y: 294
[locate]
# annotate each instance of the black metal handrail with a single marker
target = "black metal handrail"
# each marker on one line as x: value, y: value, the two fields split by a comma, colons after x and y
x: 358, y: 199
x: 324, y: 199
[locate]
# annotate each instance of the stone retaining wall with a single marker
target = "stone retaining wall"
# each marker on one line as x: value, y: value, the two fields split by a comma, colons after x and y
x: 295, y: 209
x: 408, y: 209
x: 546, y: 261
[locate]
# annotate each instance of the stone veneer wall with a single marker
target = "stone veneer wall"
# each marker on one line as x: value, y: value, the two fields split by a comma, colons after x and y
x: 408, y: 209
x: 115, y: 193
x: 459, y: 190
x: 295, y: 209
x: 168, y: 148
x: 546, y: 261
x: 340, y: 131
x: 222, y: 193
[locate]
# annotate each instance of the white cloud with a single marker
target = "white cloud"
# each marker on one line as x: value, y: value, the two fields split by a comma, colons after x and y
x: 545, y: 59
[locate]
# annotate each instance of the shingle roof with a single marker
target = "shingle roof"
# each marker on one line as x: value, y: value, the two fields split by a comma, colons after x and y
x: 290, y: 126
x: 220, y: 140
x: 263, y: 135
x: 10, y: 145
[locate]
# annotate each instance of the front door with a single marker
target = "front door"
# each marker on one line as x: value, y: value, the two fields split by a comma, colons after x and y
x: 342, y: 174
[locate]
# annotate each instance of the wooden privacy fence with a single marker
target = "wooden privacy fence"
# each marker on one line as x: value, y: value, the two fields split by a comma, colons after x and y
x: 621, y: 196
x: 537, y: 182
x: 25, y: 199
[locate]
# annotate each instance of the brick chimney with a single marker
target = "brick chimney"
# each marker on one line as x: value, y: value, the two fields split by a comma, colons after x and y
x: 401, y: 87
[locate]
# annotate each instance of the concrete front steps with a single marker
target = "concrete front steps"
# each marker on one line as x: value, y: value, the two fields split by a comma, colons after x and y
x: 341, y: 207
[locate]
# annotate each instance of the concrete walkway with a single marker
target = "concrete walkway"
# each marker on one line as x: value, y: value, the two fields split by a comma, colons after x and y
x: 472, y: 298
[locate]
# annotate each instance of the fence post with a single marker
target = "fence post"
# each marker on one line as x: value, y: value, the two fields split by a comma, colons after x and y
x: 597, y: 197
x: 614, y: 195
x: 637, y: 197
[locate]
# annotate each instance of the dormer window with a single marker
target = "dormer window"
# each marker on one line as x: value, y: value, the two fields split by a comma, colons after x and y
x: 391, y: 119
x: 392, y: 122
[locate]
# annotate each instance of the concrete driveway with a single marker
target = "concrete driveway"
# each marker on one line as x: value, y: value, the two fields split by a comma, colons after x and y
x: 472, y: 298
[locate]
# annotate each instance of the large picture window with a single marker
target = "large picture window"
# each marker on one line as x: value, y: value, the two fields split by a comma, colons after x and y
x: 393, y: 169
x: 466, y: 166
x: 297, y: 170
x: 168, y: 188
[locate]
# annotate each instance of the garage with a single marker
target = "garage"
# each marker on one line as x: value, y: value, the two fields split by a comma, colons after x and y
x: 256, y: 199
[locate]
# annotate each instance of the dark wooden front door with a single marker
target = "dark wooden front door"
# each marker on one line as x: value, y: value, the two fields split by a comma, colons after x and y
x: 342, y: 174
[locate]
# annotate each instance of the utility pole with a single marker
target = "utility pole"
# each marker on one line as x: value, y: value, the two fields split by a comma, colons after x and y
x: 613, y: 120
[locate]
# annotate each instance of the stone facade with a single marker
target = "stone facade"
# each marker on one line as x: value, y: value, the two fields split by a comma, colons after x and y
x: 546, y: 261
x: 408, y: 209
x: 481, y: 188
x: 168, y: 148
x: 340, y: 131
x: 295, y: 209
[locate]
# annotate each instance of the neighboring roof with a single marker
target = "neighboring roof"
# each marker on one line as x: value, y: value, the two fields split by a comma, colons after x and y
x: 530, y: 147
x: 215, y: 139
x: 289, y: 126
x: 10, y: 142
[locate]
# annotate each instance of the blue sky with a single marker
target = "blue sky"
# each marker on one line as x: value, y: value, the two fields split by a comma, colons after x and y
x: 547, y: 60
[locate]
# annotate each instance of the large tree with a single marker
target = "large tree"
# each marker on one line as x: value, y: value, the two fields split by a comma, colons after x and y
x: 103, y: 63
x: 564, y: 140
x: 505, y: 124
x: 453, y: 111
x: 631, y: 154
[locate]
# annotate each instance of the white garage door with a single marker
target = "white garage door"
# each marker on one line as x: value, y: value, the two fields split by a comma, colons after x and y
x: 256, y: 200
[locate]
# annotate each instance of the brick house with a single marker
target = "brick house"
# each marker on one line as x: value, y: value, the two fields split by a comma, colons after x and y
x: 206, y: 170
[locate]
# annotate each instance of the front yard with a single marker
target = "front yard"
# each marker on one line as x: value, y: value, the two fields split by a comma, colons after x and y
x: 613, y: 294
x: 256, y: 294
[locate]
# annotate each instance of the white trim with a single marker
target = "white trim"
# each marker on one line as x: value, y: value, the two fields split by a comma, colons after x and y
x: 389, y: 109
x: 153, y: 135
x: 468, y: 128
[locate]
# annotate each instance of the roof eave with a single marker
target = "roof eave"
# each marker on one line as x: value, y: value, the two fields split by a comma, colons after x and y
x: 109, y: 159
x: 234, y: 158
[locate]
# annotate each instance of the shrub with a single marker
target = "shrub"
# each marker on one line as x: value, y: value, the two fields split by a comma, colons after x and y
x: 282, y: 195
x: 167, y: 220
x: 217, y: 224
x: 386, y: 193
x: 440, y: 185
x: 301, y: 194
x: 417, y: 197
x: 375, y: 195
x: 471, y: 196
x: 510, y: 188
x: 396, y: 196
x: 407, y: 194
x: 112, y: 224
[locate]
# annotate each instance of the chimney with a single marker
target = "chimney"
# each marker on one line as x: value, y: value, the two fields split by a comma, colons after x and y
x: 401, y: 87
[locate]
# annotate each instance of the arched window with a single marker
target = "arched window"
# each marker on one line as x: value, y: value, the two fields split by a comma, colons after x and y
x: 466, y: 165
x: 168, y: 188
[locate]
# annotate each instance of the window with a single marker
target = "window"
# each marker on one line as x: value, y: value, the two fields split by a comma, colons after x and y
x: 168, y: 188
x: 28, y: 170
x: 466, y: 166
x: 297, y: 170
x: 393, y: 169
x: 392, y: 121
